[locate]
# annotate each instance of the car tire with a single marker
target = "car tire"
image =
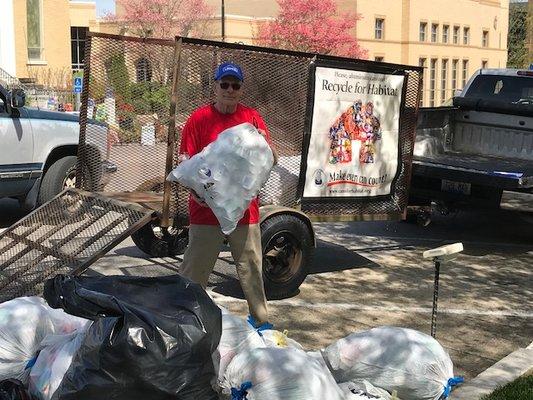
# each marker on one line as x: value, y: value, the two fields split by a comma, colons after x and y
x: 287, y: 251
x: 60, y: 174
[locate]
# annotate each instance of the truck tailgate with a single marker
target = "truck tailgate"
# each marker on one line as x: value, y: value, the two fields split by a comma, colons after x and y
x: 503, y: 173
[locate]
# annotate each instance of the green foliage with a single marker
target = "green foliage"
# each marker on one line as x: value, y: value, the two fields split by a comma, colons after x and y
x: 117, y: 73
x: 150, y: 98
x: 520, y: 389
x: 97, y: 88
x: 517, y: 52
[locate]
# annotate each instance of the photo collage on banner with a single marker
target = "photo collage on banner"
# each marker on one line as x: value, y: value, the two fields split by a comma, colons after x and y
x: 353, y: 146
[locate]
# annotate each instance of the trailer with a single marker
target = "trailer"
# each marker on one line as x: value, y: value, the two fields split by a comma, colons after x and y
x: 344, y: 130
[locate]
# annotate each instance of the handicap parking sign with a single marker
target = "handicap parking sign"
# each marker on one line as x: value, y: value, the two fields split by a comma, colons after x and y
x: 78, y: 84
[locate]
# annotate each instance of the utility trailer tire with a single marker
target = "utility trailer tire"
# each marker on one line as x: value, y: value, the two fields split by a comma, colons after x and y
x: 287, y: 252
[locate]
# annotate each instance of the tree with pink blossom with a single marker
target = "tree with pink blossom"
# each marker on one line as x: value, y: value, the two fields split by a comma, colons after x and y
x: 313, y: 26
x: 162, y: 18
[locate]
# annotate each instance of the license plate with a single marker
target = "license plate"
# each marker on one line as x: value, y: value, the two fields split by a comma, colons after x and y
x: 456, y: 187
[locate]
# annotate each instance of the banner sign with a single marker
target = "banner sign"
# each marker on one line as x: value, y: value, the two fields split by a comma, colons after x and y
x: 353, y: 147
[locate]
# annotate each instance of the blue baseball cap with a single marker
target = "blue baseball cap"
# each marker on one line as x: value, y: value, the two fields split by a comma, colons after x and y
x: 229, y: 69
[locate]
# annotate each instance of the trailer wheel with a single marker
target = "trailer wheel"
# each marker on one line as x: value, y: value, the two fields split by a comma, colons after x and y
x: 161, y: 242
x: 155, y: 240
x: 287, y: 250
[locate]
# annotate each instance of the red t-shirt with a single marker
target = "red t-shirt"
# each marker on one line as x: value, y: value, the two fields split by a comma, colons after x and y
x: 203, y: 127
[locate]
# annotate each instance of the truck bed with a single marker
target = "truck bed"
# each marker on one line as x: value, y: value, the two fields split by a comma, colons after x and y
x: 477, y: 147
x: 499, y: 172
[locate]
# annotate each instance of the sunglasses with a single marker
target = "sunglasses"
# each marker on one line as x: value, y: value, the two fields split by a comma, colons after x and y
x: 226, y: 85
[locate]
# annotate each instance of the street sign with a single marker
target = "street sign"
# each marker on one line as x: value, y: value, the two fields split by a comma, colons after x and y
x: 78, y: 84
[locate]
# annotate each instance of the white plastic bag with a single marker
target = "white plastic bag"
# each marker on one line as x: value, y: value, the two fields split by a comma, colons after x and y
x: 363, y: 390
x: 317, y: 356
x: 237, y: 336
x: 274, y: 338
x: 228, y: 173
x: 410, y: 362
x: 53, y: 362
x: 273, y: 373
x: 24, y: 323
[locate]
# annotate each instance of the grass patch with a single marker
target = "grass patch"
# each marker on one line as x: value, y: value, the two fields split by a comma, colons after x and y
x: 519, y: 389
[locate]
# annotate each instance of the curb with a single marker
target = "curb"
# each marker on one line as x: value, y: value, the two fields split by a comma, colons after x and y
x: 504, y: 371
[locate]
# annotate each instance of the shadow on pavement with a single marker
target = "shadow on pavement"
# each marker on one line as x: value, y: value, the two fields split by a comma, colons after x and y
x: 328, y: 257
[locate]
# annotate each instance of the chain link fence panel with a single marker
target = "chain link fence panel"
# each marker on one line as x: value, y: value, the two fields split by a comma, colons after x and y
x: 64, y: 237
x: 128, y: 86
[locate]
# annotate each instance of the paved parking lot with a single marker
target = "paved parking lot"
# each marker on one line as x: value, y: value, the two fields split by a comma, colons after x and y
x: 367, y: 274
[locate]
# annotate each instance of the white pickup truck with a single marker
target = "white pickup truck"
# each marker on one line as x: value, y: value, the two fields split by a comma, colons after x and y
x: 479, y: 152
x: 39, y: 149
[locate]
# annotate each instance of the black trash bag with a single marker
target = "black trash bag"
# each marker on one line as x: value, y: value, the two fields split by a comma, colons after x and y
x: 13, y: 389
x: 152, y: 338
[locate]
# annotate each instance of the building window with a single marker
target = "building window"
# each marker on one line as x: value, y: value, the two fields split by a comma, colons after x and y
x: 484, y: 64
x: 456, y: 35
x: 466, y: 35
x: 444, y: 80
x: 34, y: 23
x: 465, y: 73
x: 379, y: 28
x: 434, y: 32
x: 454, y: 75
x: 445, y: 33
x: 422, y: 63
x: 423, y: 30
x: 379, y: 58
x: 432, y: 81
x: 485, y: 39
x: 144, y: 70
x: 78, y: 37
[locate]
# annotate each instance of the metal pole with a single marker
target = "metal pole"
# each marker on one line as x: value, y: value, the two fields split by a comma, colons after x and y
x: 435, y: 299
x: 82, y: 145
x: 171, y: 139
x: 223, y: 21
x: 529, y: 25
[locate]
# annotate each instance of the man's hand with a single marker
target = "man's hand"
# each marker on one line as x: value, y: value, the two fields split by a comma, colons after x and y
x: 274, y: 152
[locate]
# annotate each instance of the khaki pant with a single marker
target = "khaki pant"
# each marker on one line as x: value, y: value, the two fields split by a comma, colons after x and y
x: 199, y: 260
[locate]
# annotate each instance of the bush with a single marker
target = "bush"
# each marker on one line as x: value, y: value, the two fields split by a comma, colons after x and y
x: 117, y: 73
x: 150, y: 98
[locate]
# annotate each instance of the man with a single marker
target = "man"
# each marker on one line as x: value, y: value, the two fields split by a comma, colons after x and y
x: 205, y: 237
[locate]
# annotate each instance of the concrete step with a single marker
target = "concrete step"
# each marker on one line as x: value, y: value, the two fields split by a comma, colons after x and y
x: 504, y: 371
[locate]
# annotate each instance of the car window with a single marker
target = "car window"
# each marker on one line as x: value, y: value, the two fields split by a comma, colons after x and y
x: 508, y: 89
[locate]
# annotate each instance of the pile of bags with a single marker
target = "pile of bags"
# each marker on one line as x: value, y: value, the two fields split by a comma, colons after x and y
x: 228, y: 173
x: 24, y: 324
x: 164, y: 338
x: 383, y: 363
x: 115, y: 337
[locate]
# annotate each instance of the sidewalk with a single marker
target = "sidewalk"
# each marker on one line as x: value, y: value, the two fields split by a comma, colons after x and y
x: 504, y: 371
